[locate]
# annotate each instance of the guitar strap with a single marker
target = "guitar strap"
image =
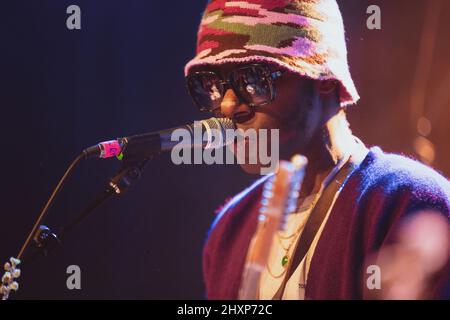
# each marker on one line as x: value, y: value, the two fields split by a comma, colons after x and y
x: 316, y: 218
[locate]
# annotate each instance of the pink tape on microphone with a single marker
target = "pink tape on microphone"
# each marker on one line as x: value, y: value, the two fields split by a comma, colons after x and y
x: 110, y: 149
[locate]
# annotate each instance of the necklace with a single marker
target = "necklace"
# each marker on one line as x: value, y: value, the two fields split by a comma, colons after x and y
x: 284, y: 263
x: 287, y: 255
x: 295, y: 234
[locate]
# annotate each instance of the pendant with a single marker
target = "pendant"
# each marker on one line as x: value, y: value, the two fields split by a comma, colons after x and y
x: 284, y: 261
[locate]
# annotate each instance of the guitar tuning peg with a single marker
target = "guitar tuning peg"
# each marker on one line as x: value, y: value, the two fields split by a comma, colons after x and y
x: 299, y: 161
x: 7, y: 266
x: 294, y: 194
x: 291, y: 207
x: 16, y: 273
x: 14, y: 286
x: 268, y: 186
x: 3, y: 290
x: 264, y: 202
x: 6, y: 277
x: 267, y: 194
x: 14, y: 261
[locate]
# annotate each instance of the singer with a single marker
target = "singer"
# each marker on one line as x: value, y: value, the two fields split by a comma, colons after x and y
x: 280, y: 64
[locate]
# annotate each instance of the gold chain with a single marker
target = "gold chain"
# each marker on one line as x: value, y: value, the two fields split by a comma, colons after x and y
x: 278, y: 275
x: 294, y: 236
x: 286, y: 255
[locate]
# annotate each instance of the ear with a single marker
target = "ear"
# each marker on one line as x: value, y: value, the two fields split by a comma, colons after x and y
x: 327, y: 87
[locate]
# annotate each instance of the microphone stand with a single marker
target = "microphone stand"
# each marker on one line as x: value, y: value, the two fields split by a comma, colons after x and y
x: 45, y: 240
x: 129, y: 172
x: 135, y: 151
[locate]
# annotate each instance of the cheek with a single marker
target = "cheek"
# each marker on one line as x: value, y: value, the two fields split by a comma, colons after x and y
x: 302, y: 123
x: 287, y: 131
x: 288, y: 104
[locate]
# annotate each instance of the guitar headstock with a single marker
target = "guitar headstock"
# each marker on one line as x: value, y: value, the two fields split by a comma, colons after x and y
x: 282, y: 190
x: 8, y: 279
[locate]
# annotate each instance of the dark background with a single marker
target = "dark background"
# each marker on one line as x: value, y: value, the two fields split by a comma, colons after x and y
x: 122, y: 73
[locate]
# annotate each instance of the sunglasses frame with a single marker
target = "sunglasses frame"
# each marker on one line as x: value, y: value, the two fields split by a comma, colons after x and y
x: 228, y: 84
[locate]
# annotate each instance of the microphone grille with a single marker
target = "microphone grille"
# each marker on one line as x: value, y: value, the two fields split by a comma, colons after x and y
x: 219, y: 125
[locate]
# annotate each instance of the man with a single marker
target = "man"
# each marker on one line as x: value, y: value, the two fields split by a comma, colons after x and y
x: 282, y: 64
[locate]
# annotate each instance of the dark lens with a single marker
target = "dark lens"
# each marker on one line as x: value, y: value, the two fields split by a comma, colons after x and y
x: 254, y: 84
x: 206, y: 89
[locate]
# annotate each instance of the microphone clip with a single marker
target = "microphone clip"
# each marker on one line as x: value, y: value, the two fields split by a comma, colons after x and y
x: 129, y: 172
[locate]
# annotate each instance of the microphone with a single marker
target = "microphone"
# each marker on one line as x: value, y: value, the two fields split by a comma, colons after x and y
x: 141, y: 146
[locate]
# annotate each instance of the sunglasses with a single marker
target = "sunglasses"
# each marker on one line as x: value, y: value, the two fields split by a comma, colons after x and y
x: 253, y: 84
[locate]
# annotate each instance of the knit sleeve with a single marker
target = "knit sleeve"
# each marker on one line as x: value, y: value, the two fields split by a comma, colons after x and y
x: 401, y: 191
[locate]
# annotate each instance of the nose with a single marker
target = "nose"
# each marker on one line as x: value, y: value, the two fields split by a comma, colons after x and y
x: 232, y: 108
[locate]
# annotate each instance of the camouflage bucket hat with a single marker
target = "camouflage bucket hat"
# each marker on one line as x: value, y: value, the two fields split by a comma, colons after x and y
x: 304, y: 36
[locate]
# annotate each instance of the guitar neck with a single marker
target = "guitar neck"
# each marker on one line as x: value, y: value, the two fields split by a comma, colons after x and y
x: 279, y: 195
